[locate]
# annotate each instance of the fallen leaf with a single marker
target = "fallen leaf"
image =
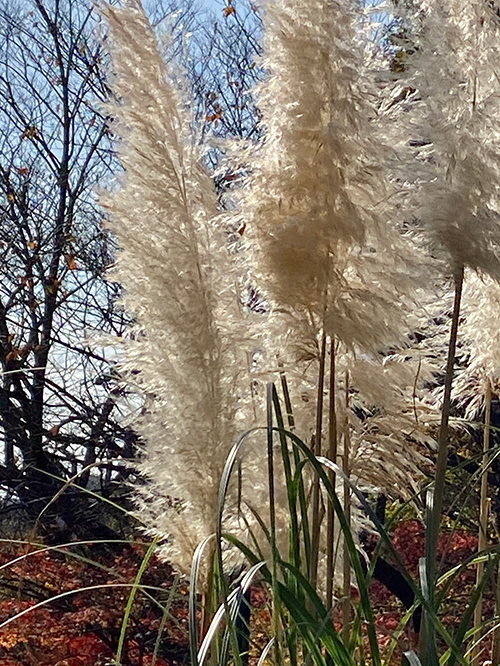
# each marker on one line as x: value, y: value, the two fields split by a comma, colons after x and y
x: 32, y: 244
x: 227, y: 11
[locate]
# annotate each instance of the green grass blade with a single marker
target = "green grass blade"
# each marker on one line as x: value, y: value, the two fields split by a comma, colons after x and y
x: 299, y: 485
x: 271, y: 391
x: 467, y: 616
x: 250, y: 531
x: 193, y: 593
x: 294, y: 540
x: 131, y: 597
x: 164, y: 617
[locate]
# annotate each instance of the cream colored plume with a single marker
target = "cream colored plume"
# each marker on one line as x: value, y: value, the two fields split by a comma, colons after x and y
x: 456, y: 76
x: 183, y: 354
x: 480, y: 351
x: 324, y: 246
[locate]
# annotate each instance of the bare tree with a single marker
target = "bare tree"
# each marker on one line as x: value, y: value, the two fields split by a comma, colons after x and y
x: 59, y: 412
x: 56, y: 415
x: 225, y: 67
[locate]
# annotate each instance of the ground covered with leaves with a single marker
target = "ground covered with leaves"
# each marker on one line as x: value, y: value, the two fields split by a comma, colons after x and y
x: 65, y: 606
x: 455, y: 547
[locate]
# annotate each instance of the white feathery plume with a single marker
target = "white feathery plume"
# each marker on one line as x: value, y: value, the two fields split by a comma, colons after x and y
x: 322, y: 249
x: 183, y: 353
x: 456, y: 75
x: 480, y: 351
x: 315, y: 210
x: 321, y: 245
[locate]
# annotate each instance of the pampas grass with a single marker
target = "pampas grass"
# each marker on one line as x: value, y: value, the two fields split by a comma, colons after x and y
x: 185, y: 355
x: 340, y: 276
x: 186, y: 352
x: 310, y: 201
x: 324, y: 251
x: 454, y: 70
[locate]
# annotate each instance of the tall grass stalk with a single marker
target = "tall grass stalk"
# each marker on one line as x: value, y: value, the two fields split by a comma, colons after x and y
x: 332, y: 454
x: 316, y: 513
x: 483, y: 517
x: 346, y: 573
x: 428, y: 643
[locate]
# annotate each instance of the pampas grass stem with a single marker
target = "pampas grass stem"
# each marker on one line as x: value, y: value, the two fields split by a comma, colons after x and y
x: 428, y: 644
x: 316, y: 516
x: 332, y: 454
x: 346, y: 587
x: 483, y: 518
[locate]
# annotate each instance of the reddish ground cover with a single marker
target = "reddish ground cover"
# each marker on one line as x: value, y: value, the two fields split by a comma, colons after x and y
x: 49, y: 618
x: 63, y: 610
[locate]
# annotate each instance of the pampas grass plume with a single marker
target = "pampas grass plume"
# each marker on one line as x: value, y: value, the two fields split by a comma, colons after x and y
x: 183, y: 354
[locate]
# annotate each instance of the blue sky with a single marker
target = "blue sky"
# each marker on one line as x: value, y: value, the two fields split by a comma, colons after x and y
x: 210, y: 4
x: 217, y: 5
